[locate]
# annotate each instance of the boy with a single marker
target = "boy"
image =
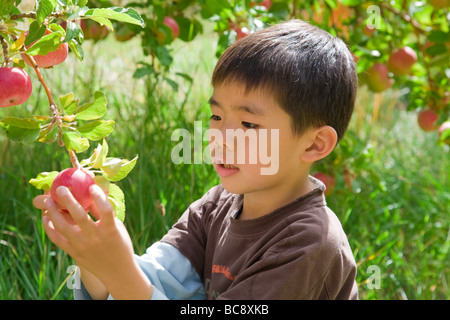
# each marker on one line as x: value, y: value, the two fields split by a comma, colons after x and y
x: 255, y: 236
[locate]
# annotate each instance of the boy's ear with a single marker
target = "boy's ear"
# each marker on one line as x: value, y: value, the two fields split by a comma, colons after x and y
x: 324, y: 139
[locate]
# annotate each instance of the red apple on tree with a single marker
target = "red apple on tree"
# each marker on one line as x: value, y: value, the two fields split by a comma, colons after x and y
x: 93, y: 30
x: 241, y: 32
x: 50, y: 59
x: 15, y: 87
x: 401, y: 60
x: 123, y: 33
x: 327, y: 180
x: 427, y: 120
x: 173, y: 25
x: 377, y: 78
x: 78, y: 182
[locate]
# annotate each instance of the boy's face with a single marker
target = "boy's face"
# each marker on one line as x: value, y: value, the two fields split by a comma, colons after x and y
x: 252, y: 145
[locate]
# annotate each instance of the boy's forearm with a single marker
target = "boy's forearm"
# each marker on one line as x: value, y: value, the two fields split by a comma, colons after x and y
x: 93, y: 285
x: 131, y: 284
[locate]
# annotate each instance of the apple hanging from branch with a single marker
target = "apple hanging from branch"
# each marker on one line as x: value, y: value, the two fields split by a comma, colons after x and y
x: 73, y: 125
x: 15, y: 86
x: 50, y: 59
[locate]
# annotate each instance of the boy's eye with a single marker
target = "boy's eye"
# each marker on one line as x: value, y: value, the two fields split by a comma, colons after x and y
x: 215, y: 118
x: 249, y: 125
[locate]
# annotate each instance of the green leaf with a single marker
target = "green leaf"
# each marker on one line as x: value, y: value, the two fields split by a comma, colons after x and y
x: 439, y: 36
x: 66, y: 100
x: 72, y: 31
x: 103, y: 22
x: 146, y: 70
x: 43, y: 9
x: 117, y: 200
x: 96, y: 130
x: 102, y: 182
x: 82, y: 3
x: 35, y: 32
x: 98, y: 157
x: 44, y: 180
x: 128, y: 15
x: 46, y: 44
x: 116, y: 169
x: 21, y: 130
x: 75, y: 47
x: 73, y: 141
x: 6, y: 6
x: 94, y: 110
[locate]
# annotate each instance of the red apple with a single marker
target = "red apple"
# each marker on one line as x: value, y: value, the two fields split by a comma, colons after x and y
x: 427, y: 120
x: 93, y: 30
x: 15, y: 87
x: 241, y: 32
x: 123, y: 33
x: 173, y: 25
x: 377, y: 78
x: 50, y: 59
x: 368, y: 31
x: 327, y: 180
x: 401, y: 61
x: 78, y: 181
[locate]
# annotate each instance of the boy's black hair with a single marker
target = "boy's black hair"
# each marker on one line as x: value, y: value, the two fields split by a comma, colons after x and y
x: 311, y: 73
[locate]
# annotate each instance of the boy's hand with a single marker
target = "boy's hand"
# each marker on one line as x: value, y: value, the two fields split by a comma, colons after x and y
x: 103, y: 247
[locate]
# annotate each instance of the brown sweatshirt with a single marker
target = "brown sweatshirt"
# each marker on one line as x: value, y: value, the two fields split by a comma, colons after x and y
x: 298, y: 251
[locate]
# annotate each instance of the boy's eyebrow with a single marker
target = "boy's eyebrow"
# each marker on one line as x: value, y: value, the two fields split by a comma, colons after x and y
x: 253, y: 109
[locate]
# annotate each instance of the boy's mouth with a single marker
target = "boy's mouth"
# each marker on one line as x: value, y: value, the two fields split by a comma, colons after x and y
x: 227, y: 166
x: 224, y: 169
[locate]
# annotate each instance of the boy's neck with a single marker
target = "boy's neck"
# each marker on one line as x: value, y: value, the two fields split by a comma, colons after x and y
x: 260, y: 203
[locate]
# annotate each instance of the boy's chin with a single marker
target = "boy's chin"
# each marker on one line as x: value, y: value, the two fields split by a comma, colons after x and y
x: 232, y: 187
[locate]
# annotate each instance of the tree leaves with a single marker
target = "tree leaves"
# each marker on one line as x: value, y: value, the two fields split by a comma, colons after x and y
x: 21, y: 130
x: 94, y: 110
x: 107, y: 170
x: 127, y: 15
x: 43, y: 9
x: 96, y: 130
x: 44, y: 180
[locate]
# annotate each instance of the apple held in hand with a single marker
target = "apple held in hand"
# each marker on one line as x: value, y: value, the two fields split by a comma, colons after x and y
x: 15, y: 87
x: 401, y: 61
x: 78, y: 181
x: 50, y: 59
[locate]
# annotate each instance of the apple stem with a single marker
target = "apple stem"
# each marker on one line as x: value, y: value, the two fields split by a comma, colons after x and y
x: 53, y: 107
x: 74, y: 159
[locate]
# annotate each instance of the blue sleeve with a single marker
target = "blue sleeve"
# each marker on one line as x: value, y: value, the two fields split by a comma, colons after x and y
x: 172, y: 275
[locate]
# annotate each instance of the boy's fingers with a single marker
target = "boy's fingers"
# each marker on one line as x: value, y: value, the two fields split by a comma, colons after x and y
x: 75, y: 209
x: 39, y: 201
x: 54, y: 235
x: 101, y: 208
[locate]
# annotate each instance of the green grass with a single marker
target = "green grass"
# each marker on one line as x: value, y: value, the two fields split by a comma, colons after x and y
x: 396, y: 215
